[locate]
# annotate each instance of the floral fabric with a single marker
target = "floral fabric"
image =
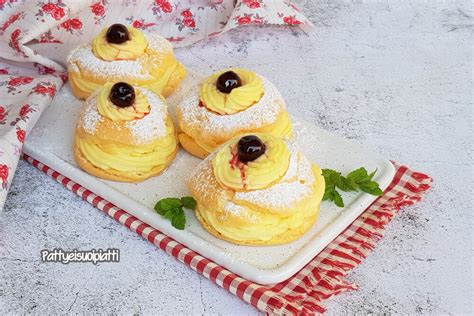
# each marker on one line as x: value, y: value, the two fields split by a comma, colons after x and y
x: 36, y: 36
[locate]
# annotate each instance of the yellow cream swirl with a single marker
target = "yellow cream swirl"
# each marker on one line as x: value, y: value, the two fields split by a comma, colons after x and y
x: 109, y: 110
x: 265, y: 226
x: 163, y: 82
x: 128, y: 158
x: 253, y: 175
x: 239, y: 99
x: 131, y: 49
x: 281, y: 128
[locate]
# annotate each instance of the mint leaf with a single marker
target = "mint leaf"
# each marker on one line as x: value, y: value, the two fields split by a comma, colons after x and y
x: 189, y: 202
x: 158, y: 209
x: 172, y: 210
x: 332, y: 195
x: 179, y: 219
x: 372, y: 174
x: 364, y: 181
x: 358, y: 179
x: 327, y: 172
x: 328, y: 192
x: 337, y: 199
x: 335, y: 178
x: 169, y: 214
x: 346, y: 185
x: 358, y: 175
x: 169, y: 203
x: 331, y: 176
x: 371, y: 187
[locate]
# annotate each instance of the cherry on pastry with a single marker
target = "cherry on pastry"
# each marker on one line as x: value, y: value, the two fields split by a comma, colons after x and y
x: 227, y: 81
x: 249, y: 148
x: 122, y: 94
x: 117, y: 34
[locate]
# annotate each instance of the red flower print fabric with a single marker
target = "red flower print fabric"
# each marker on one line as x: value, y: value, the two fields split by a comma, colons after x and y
x: 4, y: 170
x: 3, y: 115
x: 36, y: 36
x: 98, y: 9
x: 20, y: 135
x: 54, y: 10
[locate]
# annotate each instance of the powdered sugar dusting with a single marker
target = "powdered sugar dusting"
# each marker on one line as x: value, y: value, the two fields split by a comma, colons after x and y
x: 90, y: 117
x: 73, y: 67
x: 158, y: 43
x: 295, y: 185
x: 83, y: 58
x: 240, y: 211
x: 144, y: 130
x: 292, y: 170
x: 264, y: 112
x: 285, y: 193
x: 152, y: 125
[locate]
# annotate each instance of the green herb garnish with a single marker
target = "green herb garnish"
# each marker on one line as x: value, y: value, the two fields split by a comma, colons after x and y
x: 172, y: 210
x: 358, y: 179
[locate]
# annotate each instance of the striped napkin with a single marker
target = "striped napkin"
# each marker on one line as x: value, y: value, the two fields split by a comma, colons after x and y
x: 306, y: 291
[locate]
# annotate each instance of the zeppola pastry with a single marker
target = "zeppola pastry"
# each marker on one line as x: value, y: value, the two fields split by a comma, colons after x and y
x: 124, y: 133
x: 229, y: 103
x: 121, y: 53
x: 257, y: 190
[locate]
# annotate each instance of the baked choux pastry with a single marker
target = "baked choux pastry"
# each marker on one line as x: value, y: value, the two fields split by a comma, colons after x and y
x: 124, y: 133
x: 229, y: 103
x: 121, y: 53
x: 257, y: 190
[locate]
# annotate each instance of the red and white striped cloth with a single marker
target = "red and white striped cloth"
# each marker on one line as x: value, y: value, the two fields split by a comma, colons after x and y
x: 306, y: 291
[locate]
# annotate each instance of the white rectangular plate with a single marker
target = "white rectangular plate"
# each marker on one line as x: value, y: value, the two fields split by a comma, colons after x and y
x: 51, y: 143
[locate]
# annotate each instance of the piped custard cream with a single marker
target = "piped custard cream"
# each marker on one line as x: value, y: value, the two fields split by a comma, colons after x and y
x: 130, y: 49
x: 260, y: 173
x: 126, y: 157
x: 247, y: 94
x: 237, y: 99
x: 154, y: 60
x: 109, y: 110
x: 272, y: 199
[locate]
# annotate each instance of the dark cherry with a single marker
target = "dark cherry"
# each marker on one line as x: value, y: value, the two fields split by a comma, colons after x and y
x: 249, y: 148
x: 122, y: 94
x: 227, y: 81
x: 117, y: 34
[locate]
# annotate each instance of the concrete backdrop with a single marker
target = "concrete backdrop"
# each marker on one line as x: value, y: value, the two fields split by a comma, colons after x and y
x: 394, y: 76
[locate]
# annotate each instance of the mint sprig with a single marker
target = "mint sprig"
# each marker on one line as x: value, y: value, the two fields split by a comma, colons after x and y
x: 356, y: 180
x: 172, y: 210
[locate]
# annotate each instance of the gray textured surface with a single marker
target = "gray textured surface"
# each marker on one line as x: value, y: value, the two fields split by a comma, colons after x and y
x: 395, y: 77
